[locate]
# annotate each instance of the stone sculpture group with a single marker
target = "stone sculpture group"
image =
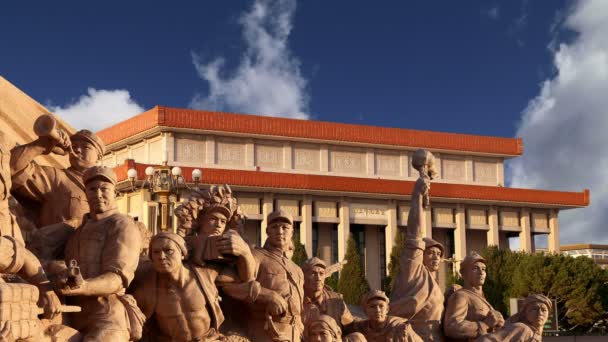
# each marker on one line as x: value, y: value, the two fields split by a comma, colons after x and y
x: 87, y: 272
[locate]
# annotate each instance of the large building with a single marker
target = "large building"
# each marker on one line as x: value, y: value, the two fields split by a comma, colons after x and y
x: 599, y: 253
x: 337, y: 180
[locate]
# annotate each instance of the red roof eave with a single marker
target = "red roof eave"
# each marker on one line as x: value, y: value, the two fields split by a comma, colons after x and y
x: 372, y: 186
x: 308, y: 129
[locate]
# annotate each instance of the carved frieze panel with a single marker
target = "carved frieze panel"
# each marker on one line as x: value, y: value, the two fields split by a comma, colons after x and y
x: 443, y: 216
x: 325, y: 209
x: 190, y: 148
x: 484, y: 170
x: 453, y: 168
x: 387, y: 163
x: 290, y: 206
x: 230, y: 152
x: 268, y: 155
x: 477, y: 217
x: 509, y: 218
x: 306, y: 157
x: 347, y: 161
x: 250, y: 205
x: 368, y: 210
x: 540, y: 220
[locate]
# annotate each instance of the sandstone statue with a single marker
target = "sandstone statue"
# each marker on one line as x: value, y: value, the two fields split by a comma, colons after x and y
x: 526, y: 325
x: 416, y: 295
x: 101, y: 259
x: 8, y: 222
x: 60, y: 193
x: 323, y: 328
x: 468, y: 314
x: 379, y: 325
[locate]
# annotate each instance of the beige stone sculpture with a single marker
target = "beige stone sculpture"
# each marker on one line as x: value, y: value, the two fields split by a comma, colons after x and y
x: 526, y: 325
x: 323, y: 328
x: 59, y: 192
x: 101, y: 258
x: 320, y: 298
x: 8, y: 222
x: 379, y: 326
x: 417, y: 296
x: 276, y: 311
x: 468, y: 314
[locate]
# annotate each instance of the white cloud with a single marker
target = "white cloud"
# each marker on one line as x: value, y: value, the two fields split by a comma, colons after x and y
x: 268, y: 80
x: 98, y: 109
x: 493, y: 12
x: 565, y: 128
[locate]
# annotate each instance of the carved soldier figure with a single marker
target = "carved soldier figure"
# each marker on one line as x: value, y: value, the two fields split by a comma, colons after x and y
x: 324, y: 328
x: 380, y: 327
x: 320, y: 297
x: 417, y: 296
x: 60, y: 192
x: 8, y: 222
x: 526, y: 325
x: 468, y: 314
x: 276, y: 312
x: 106, y: 249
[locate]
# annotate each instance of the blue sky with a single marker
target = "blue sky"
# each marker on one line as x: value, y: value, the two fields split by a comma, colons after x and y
x: 533, y: 69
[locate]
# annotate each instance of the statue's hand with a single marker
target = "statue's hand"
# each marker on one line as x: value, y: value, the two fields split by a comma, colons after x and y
x: 500, y: 320
x: 50, y: 303
x: 422, y: 186
x: 232, y: 243
x: 5, y: 332
x: 493, y: 319
x: 277, y: 305
x: 81, y: 290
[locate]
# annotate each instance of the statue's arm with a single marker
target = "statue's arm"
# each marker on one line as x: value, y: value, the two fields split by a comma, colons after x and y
x: 23, y: 155
x: 30, y: 179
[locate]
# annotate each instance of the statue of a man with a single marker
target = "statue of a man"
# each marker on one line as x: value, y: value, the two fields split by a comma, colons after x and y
x: 276, y: 311
x: 324, y: 328
x: 416, y: 295
x: 106, y: 249
x: 8, y: 223
x: 526, y: 325
x: 468, y: 314
x: 60, y: 192
x: 379, y: 326
x: 320, y: 298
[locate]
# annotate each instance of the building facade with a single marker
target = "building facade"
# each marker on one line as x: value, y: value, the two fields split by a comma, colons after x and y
x: 599, y: 253
x: 336, y: 180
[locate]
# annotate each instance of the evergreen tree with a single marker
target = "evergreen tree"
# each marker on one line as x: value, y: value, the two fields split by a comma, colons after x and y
x: 299, y: 252
x: 352, y: 284
x: 393, y: 265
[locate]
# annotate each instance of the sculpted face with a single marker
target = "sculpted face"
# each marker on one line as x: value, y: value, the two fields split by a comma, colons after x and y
x: 537, y: 314
x: 314, y: 279
x: 184, y: 219
x: 280, y: 234
x: 475, y: 275
x: 318, y: 333
x: 166, y: 256
x: 100, y: 195
x: 214, y: 223
x: 377, y: 310
x: 432, y: 258
x: 85, y: 154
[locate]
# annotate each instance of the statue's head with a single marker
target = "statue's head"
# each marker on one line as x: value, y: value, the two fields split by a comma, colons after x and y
x: 473, y: 270
x: 376, y: 304
x: 218, y: 208
x: 280, y: 229
x: 323, y: 329
x: 424, y: 162
x: 536, y: 310
x: 314, y: 275
x: 88, y: 149
x: 433, y: 253
x: 167, y: 251
x: 100, y: 189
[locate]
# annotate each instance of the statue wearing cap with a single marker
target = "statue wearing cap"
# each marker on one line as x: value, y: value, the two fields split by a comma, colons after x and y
x: 416, y: 294
x: 379, y: 326
x: 106, y: 248
x: 323, y: 328
x: 275, y: 312
x: 526, y: 325
x: 320, y: 298
x: 468, y: 314
x: 59, y: 193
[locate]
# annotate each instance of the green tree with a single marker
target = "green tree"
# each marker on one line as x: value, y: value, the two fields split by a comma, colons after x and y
x: 393, y: 265
x: 352, y: 283
x: 299, y: 252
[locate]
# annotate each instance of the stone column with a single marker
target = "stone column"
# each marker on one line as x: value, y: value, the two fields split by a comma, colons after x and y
x: 427, y: 223
x: 250, y: 161
x: 343, y: 227
x: 267, y: 208
x: 391, y: 229
x: 460, y: 236
x: 553, y: 238
x: 209, y: 149
x: 525, y: 236
x: 493, y: 235
x: 306, y: 225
